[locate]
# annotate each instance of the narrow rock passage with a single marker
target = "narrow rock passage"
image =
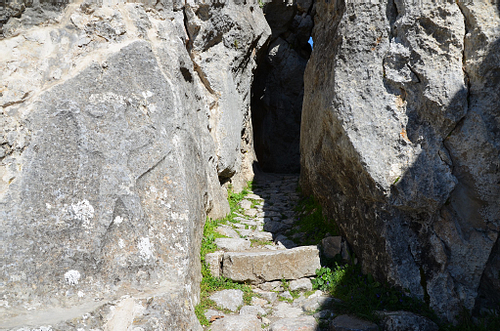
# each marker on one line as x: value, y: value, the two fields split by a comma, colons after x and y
x: 269, y: 245
x: 263, y: 249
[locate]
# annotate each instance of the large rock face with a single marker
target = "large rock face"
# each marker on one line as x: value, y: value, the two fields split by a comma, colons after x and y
x: 400, y: 142
x: 112, y: 149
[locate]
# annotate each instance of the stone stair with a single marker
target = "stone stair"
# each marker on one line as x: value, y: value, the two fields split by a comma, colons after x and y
x: 263, y: 249
x: 260, y: 252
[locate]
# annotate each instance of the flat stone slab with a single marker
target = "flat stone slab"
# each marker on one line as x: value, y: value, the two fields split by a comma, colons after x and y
x: 257, y: 235
x: 245, y: 204
x: 302, y: 323
x: 317, y: 302
x: 249, y: 222
x: 229, y: 299
x: 258, y: 267
x: 251, y: 212
x: 332, y: 246
x: 276, y: 226
x: 350, y: 323
x: 406, y: 321
x: 214, y: 262
x: 303, y: 284
x: 272, y: 286
x: 253, y: 310
x: 237, y: 323
x: 286, y: 310
x: 254, y: 197
x: 268, y: 295
x: 227, y: 231
x: 233, y: 244
x: 259, y: 302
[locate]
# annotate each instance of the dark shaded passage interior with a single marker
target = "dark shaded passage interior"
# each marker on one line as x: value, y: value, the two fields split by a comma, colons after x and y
x: 278, y: 87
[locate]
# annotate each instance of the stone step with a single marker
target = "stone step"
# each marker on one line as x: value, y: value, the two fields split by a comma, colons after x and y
x: 301, y: 323
x: 350, y: 323
x: 233, y: 244
x: 258, y: 267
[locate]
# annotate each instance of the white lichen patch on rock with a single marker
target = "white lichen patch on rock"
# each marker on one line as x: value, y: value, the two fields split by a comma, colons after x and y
x: 84, y: 212
x: 118, y: 220
x: 72, y: 277
x: 145, y: 248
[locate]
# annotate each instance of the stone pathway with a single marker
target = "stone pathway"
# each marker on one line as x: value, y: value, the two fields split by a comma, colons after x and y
x: 263, y: 249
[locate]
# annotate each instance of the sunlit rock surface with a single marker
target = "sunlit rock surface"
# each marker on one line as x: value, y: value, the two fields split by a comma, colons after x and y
x: 400, y: 142
x: 118, y: 124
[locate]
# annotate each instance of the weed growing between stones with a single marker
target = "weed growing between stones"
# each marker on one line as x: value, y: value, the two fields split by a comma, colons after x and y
x: 362, y: 296
x: 286, y: 287
x: 312, y: 223
x: 235, y: 198
x: 210, y: 284
x: 259, y: 242
x: 486, y: 322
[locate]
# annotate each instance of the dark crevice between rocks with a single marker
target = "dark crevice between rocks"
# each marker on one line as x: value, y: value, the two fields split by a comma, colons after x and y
x: 392, y: 14
x: 278, y: 86
x: 488, y: 298
x: 423, y: 282
x: 464, y: 67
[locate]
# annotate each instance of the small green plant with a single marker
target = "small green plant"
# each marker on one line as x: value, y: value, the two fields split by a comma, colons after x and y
x: 285, y: 284
x: 234, y: 199
x: 310, y: 220
x: 485, y: 322
x: 362, y: 295
x: 327, y: 279
x: 259, y: 242
x: 209, y: 235
x: 210, y: 284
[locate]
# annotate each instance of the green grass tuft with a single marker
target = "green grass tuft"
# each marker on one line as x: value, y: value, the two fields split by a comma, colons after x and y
x: 210, y: 284
x: 311, y: 221
x: 361, y: 295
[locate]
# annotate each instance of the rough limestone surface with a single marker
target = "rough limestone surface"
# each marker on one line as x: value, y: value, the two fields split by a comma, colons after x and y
x: 331, y: 246
x: 286, y: 310
x: 406, y: 321
x: 224, y: 42
x: 303, y: 284
x: 237, y: 323
x: 233, y: 244
x: 350, y: 323
x: 258, y: 267
x: 214, y: 262
x: 228, y: 299
x: 112, y: 150
x: 302, y: 323
x: 253, y: 310
x: 400, y: 142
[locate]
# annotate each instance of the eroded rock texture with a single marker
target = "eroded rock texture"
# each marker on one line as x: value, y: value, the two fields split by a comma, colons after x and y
x: 117, y: 126
x: 278, y: 88
x: 400, y: 142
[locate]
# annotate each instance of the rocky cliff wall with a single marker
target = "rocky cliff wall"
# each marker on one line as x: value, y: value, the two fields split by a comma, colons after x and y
x: 119, y: 122
x: 400, y: 141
